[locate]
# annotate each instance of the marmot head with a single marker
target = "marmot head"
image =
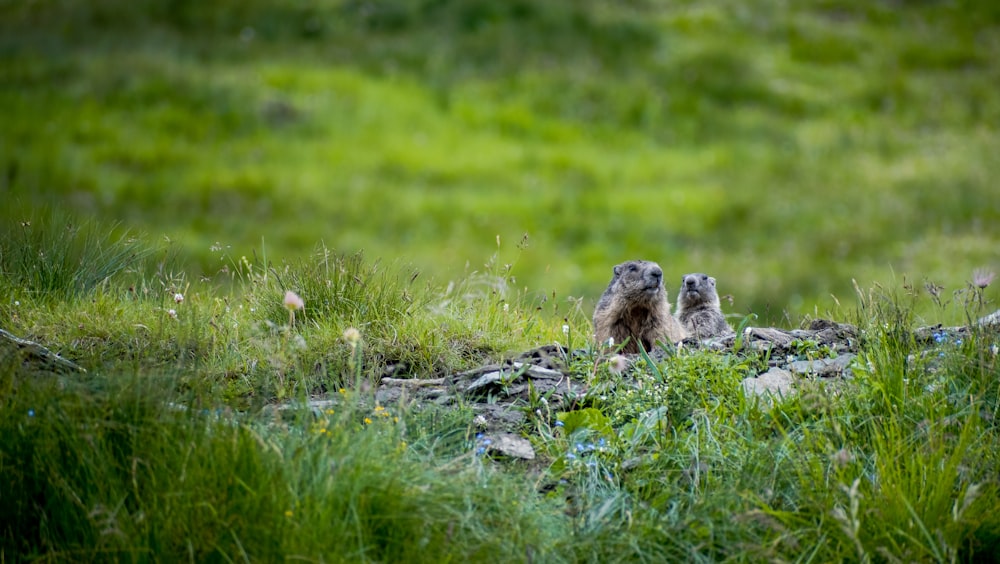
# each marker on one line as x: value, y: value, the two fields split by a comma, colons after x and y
x: 697, y: 288
x: 639, y: 280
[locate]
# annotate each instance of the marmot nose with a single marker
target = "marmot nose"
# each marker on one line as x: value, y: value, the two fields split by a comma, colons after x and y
x: 656, y: 272
x: 690, y: 282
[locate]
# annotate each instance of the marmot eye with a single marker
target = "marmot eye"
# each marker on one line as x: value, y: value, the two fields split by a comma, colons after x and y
x: 704, y: 277
x: 632, y: 268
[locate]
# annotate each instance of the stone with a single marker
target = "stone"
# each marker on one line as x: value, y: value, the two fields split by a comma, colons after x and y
x: 822, y: 367
x: 773, y: 383
x: 512, y: 446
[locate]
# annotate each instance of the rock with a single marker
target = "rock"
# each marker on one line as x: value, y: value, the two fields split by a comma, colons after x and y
x: 992, y: 319
x: 509, y: 445
x: 37, y: 356
x: 773, y: 383
x: 823, y: 367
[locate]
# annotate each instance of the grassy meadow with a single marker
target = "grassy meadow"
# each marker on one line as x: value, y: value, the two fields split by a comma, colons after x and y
x: 784, y: 148
x: 453, y: 179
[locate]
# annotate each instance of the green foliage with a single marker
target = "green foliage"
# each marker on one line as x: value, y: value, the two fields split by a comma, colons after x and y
x: 688, y: 134
x: 168, y: 445
x: 432, y: 131
x: 51, y: 256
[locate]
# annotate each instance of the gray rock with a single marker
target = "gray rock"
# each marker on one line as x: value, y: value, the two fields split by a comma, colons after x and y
x: 511, y: 445
x: 822, y: 367
x: 773, y: 383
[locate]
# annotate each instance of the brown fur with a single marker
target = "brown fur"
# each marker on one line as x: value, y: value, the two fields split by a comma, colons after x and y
x: 635, y: 307
x: 698, y: 307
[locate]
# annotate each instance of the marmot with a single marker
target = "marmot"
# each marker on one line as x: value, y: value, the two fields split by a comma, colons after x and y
x: 635, y: 307
x: 698, y: 307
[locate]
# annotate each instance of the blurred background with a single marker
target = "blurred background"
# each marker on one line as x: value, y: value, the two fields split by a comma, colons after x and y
x: 784, y: 147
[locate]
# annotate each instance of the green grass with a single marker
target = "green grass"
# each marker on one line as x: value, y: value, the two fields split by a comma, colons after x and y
x: 785, y: 150
x: 454, y: 179
x: 170, y: 446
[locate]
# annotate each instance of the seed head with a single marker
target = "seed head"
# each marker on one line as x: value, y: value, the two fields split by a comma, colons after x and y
x: 293, y: 301
x: 352, y: 336
x: 617, y: 364
x: 982, y: 278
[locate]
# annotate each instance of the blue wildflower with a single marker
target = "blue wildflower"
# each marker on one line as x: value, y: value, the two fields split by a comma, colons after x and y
x: 592, y: 464
x: 480, y: 450
x: 958, y: 341
x: 579, y: 447
x: 560, y: 424
x: 939, y: 337
x: 570, y: 456
x: 31, y: 413
x: 601, y: 442
x: 487, y: 441
x: 479, y: 436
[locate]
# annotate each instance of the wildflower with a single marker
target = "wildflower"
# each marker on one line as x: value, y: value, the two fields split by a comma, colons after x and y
x: 342, y: 392
x: 565, y: 329
x: 982, y: 278
x: 842, y: 457
x: 939, y: 337
x: 293, y: 301
x: 352, y: 336
x: 17, y: 302
x: 288, y: 513
x: 31, y: 413
x: 368, y: 421
x: 611, y: 341
x: 506, y: 308
x: 617, y: 364
x: 330, y: 412
x: 994, y: 349
x: 178, y: 298
x: 480, y: 450
x: 560, y: 424
x: 172, y: 313
x: 479, y: 421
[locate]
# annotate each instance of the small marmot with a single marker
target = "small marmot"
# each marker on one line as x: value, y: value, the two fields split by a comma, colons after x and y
x: 635, y: 307
x: 698, y: 307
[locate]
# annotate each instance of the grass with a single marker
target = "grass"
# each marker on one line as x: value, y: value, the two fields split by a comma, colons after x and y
x: 369, y: 156
x: 170, y: 446
x: 785, y: 150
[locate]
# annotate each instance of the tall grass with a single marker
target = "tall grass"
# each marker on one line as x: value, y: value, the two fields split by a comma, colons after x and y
x: 52, y: 255
x: 124, y: 474
x: 189, y: 437
x: 684, y: 134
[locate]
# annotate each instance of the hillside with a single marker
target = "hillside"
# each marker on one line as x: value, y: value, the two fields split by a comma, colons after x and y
x: 785, y: 149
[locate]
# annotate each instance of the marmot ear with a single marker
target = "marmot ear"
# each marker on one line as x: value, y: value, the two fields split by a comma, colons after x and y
x: 711, y: 280
x: 618, y: 270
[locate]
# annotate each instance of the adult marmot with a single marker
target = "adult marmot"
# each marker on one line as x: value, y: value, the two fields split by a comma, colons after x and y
x: 635, y: 307
x: 698, y: 307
